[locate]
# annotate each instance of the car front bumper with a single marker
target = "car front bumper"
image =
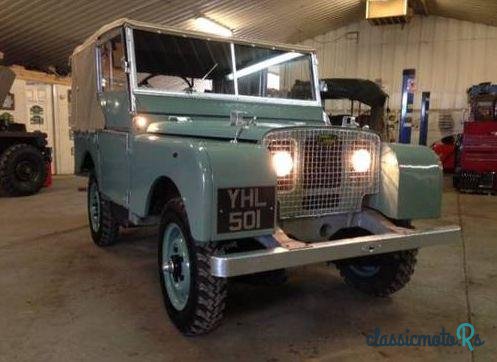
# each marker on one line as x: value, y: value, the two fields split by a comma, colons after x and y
x: 291, y: 253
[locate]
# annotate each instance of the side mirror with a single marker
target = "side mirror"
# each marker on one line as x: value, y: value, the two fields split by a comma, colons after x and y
x: 323, y: 86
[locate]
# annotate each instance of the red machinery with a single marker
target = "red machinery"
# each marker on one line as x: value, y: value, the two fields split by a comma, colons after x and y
x: 476, y: 156
x: 446, y: 151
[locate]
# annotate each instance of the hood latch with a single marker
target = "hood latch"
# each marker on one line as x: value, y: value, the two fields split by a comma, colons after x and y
x: 243, y: 120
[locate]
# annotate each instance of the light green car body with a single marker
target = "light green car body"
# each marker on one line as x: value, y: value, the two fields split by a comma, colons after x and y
x: 189, y: 145
x: 206, y: 160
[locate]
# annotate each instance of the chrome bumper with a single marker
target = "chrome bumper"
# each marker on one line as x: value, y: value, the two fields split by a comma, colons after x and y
x: 291, y: 253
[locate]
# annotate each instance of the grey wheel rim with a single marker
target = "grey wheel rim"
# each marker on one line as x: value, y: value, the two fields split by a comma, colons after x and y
x: 94, y: 207
x: 176, y: 266
x: 365, y: 270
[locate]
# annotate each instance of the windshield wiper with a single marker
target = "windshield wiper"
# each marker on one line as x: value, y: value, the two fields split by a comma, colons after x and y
x: 209, y: 72
x: 191, y: 85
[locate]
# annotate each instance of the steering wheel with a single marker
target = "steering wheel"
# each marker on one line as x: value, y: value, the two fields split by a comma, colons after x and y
x: 144, y: 82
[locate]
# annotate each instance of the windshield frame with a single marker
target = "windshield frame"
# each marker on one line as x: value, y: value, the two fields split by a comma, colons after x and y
x: 134, y: 89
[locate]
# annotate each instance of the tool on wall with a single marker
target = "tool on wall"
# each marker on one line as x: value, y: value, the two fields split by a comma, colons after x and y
x: 408, y: 86
x: 423, y: 123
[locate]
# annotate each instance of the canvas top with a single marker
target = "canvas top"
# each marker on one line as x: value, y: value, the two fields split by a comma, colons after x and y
x: 171, y: 30
x: 86, y: 111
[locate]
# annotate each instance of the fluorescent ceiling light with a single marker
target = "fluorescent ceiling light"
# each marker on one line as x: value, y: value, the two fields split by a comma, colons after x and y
x: 210, y: 26
x: 265, y: 64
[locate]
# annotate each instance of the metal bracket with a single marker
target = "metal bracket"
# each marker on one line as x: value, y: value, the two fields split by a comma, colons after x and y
x: 238, y: 119
x: 242, y: 118
x: 125, y: 65
x: 349, y: 121
x: 371, y: 248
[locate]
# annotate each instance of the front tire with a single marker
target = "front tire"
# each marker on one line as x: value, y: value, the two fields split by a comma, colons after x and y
x: 379, y: 275
x: 22, y: 170
x: 104, y: 227
x: 194, y: 299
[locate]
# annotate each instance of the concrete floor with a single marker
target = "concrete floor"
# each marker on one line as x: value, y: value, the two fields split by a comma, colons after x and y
x: 64, y: 299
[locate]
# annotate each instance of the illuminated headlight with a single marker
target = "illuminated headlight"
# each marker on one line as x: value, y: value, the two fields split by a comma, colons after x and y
x: 282, y: 163
x: 361, y: 160
x: 140, y: 122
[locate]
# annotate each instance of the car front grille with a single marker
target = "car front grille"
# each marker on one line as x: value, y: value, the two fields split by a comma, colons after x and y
x: 323, y: 181
x: 322, y: 163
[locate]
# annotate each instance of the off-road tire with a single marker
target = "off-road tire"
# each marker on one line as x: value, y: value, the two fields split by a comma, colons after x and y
x: 10, y: 183
x: 108, y: 231
x: 394, y: 272
x: 206, y: 302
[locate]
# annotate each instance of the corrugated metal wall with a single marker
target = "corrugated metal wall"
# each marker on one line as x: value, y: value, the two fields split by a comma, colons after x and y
x: 44, y: 32
x: 449, y: 56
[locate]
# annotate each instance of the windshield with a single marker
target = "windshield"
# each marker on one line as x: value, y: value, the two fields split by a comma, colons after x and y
x: 272, y: 73
x: 181, y: 64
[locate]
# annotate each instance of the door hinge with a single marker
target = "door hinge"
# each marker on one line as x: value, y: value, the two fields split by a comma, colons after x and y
x: 125, y: 66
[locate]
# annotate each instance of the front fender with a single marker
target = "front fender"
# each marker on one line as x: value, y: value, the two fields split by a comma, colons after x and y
x: 410, y: 183
x: 238, y: 165
x: 197, y: 168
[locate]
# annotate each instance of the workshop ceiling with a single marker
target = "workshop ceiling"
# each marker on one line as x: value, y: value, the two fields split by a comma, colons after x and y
x: 39, y: 33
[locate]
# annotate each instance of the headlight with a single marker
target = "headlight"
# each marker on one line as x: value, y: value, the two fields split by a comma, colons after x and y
x: 140, y: 123
x: 361, y: 160
x: 282, y: 163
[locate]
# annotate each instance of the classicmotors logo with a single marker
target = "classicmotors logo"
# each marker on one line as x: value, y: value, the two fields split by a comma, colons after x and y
x: 465, y: 336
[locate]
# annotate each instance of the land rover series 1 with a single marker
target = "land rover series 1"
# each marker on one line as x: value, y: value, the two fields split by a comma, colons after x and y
x: 218, y: 141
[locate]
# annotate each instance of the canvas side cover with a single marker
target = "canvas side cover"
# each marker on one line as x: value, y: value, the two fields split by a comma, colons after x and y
x: 86, y: 112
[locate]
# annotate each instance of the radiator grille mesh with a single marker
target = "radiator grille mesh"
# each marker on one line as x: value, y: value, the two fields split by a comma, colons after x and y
x: 323, y: 181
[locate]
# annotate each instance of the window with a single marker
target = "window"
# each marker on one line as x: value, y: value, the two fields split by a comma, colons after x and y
x: 179, y: 64
x: 112, y: 74
x: 183, y: 64
x: 272, y: 73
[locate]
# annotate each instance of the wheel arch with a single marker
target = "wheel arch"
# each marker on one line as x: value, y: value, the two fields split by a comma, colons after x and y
x: 88, y: 164
x: 86, y: 155
x: 197, y: 169
x: 163, y: 190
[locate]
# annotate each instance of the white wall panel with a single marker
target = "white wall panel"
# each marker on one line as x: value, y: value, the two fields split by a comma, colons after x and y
x: 55, y: 123
x: 449, y: 56
x: 64, y: 144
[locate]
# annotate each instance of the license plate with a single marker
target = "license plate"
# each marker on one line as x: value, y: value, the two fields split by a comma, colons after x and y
x: 245, y: 209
